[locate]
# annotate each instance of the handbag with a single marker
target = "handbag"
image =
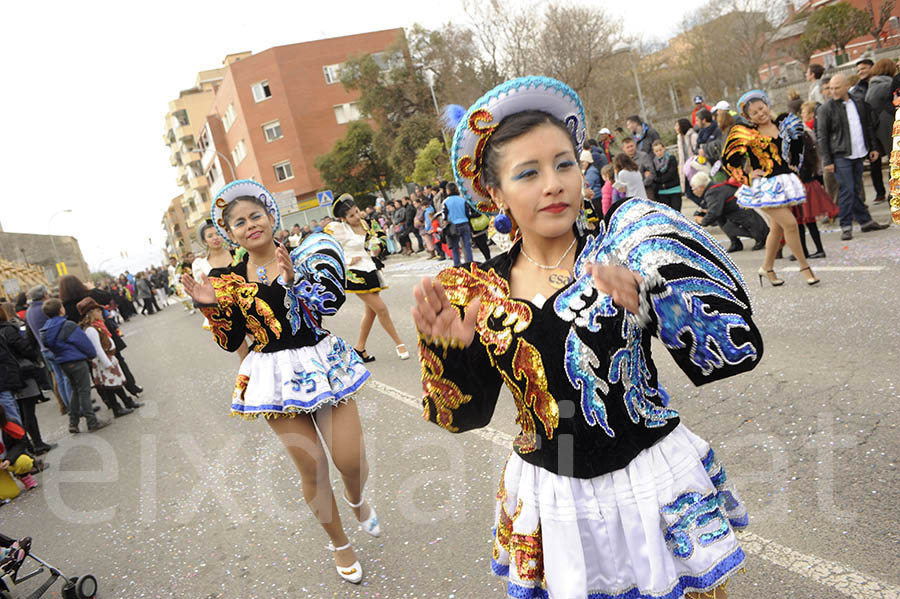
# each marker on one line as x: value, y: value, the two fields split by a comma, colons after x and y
x: 480, y: 222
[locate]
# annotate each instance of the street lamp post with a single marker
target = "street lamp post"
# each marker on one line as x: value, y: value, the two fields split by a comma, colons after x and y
x: 429, y: 79
x: 52, y: 241
x: 623, y: 47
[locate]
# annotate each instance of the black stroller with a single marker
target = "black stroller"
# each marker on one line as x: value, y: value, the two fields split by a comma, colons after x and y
x: 84, y: 587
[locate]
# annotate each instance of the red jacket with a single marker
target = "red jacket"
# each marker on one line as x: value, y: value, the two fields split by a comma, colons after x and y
x: 696, y: 110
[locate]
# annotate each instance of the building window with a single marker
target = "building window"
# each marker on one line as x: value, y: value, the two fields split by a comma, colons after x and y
x: 283, y: 171
x: 273, y: 131
x: 181, y: 117
x: 228, y: 119
x: 344, y: 113
x: 332, y: 73
x: 261, y: 91
x: 238, y: 153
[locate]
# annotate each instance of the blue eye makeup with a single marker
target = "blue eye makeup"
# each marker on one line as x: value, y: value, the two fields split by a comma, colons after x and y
x: 566, y: 164
x: 524, y: 174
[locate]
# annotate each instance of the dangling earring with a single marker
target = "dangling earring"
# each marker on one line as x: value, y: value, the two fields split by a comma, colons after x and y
x: 502, y: 223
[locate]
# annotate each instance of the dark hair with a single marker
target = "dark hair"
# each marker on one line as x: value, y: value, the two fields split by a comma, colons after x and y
x: 626, y: 140
x: 452, y: 189
x: 201, y: 234
x: 794, y: 105
x: 343, y: 207
x: 817, y: 70
x: 4, y: 316
x: 513, y: 126
x: 867, y: 61
x: 704, y: 115
x: 635, y: 119
x: 51, y: 307
x: 234, y: 202
x: 71, y: 288
x: 684, y: 126
x: 21, y: 300
x: 826, y: 79
x: 623, y: 162
x: 592, y: 142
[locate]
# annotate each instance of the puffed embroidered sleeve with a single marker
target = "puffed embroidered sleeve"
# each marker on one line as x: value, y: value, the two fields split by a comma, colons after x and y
x: 319, y: 279
x: 734, y: 153
x: 693, y: 296
x: 226, y: 320
x: 461, y: 385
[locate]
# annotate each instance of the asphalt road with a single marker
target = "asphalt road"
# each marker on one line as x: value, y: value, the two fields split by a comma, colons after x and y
x: 179, y: 500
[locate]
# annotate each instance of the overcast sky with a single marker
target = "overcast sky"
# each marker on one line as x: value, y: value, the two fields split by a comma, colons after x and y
x: 88, y: 83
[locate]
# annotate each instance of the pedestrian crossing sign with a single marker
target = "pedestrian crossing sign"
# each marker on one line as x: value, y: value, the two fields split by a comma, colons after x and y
x: 326, y: 198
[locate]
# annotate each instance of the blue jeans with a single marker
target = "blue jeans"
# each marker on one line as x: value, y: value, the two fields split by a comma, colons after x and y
x: 62, y: 381
x: 8, y: 401
x: 848, y: 173
x: 464, y: 234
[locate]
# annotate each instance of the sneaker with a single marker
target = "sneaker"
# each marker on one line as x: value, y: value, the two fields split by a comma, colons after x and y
x: 74, y: 429
x: 28, y: 481
x: 846, y: 235
x: 873, y: 226
x: 98, y: 425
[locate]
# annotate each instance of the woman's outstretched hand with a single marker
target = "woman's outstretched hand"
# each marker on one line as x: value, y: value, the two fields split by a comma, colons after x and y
x: 620, y: 283
x: 200, y: 291
x: 285, y: 265
x: 435, y: 316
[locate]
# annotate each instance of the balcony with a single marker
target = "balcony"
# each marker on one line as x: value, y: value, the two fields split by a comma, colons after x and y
x: 198, y: 183
x: 190, y: 157
x: 183, y: 132
x: 182, y: 178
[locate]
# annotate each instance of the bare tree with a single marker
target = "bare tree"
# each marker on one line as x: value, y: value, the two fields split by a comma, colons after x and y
x: 877, y: 20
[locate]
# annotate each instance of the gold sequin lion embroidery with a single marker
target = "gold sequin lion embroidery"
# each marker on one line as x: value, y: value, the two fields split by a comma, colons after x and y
x: 441, y: 393
x: 743, y: 140
x: 233, y: 290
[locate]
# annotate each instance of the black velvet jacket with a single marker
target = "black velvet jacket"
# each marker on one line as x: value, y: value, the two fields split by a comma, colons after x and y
x: 579, y: 368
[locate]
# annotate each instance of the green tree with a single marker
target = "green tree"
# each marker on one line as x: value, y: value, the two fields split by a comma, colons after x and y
x: 432, y: 162
x: 411, y: 135
x: 835, y: 25
x: 354, y: 165
x: 99, y: 276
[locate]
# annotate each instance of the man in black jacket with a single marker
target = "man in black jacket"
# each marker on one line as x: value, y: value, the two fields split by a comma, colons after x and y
x: 722, y: 209
x: 845, y: 138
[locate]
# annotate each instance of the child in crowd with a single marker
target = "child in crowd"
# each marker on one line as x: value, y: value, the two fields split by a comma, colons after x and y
x: 13, y: 459
x: 608, y: 172
x: 73, y: 351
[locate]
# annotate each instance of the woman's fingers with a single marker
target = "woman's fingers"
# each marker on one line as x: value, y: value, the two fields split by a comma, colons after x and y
x: 424, y: 309
x: 444, y: 301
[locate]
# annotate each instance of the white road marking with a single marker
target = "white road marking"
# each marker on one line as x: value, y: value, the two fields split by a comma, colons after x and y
x: 831, y: 574
x: 836, y: 269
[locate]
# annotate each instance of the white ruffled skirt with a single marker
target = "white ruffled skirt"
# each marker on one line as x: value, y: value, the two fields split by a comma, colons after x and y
x: 658, y: 528
x: 300, y: 380
x: 771, y: 192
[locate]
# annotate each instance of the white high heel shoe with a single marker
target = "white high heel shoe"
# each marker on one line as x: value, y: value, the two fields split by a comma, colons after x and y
x: 403, y: 355
x: 352, y: 573
x: 371, y: 524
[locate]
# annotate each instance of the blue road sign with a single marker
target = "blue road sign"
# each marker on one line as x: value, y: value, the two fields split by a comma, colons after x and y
x: 326, y: 198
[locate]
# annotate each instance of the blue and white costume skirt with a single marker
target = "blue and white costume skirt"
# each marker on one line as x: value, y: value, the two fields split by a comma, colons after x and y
x: 771, y: 192
x: 658, y: 528
x: 300, y: 380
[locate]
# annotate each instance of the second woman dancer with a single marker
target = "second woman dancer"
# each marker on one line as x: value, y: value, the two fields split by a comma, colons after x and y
x: 296, y: 374
x: 363, y: 247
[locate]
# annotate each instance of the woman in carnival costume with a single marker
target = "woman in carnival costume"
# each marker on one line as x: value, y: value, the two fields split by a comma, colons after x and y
x: 363, y: 245
x: 296, y: 374
x: 774, y: 151
x: 606, y: 494
x: 217, y: 255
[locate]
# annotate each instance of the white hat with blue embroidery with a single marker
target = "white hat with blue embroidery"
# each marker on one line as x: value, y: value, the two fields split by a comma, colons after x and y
x: 475, y: 126
x: 238, y: 189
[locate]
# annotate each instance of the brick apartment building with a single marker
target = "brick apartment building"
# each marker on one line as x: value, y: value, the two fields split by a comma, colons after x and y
x: 277, y: 111
x: 782, y: 66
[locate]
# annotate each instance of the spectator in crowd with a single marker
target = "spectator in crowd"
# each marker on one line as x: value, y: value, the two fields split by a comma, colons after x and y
x: 295, y: 237
x: 410, y: 212
x: 818, y: 203
x: 845, y: 138
x: 605, y: 143
x: 591, y: 173
x: 73, y: 351
x: 666, y: 181
x: 708, y: 130
x: 641, y: 159
x: 458, y: 229
x: 597, y: 153
x: 814, y: 76
x: 608, y: 173
x: 644, y: 135
x: 686, y: 141
x: 144, y: 293
x: 627, y: 175
x: 15, y: 459
x: 859, y: 90
x: 879, y: 98
x: 315, y: 227
x: 723, y: 210
x: 698, y: 106
x: 35, y: 318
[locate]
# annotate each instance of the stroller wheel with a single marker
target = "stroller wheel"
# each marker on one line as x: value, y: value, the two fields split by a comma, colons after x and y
x: 87, y: 587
